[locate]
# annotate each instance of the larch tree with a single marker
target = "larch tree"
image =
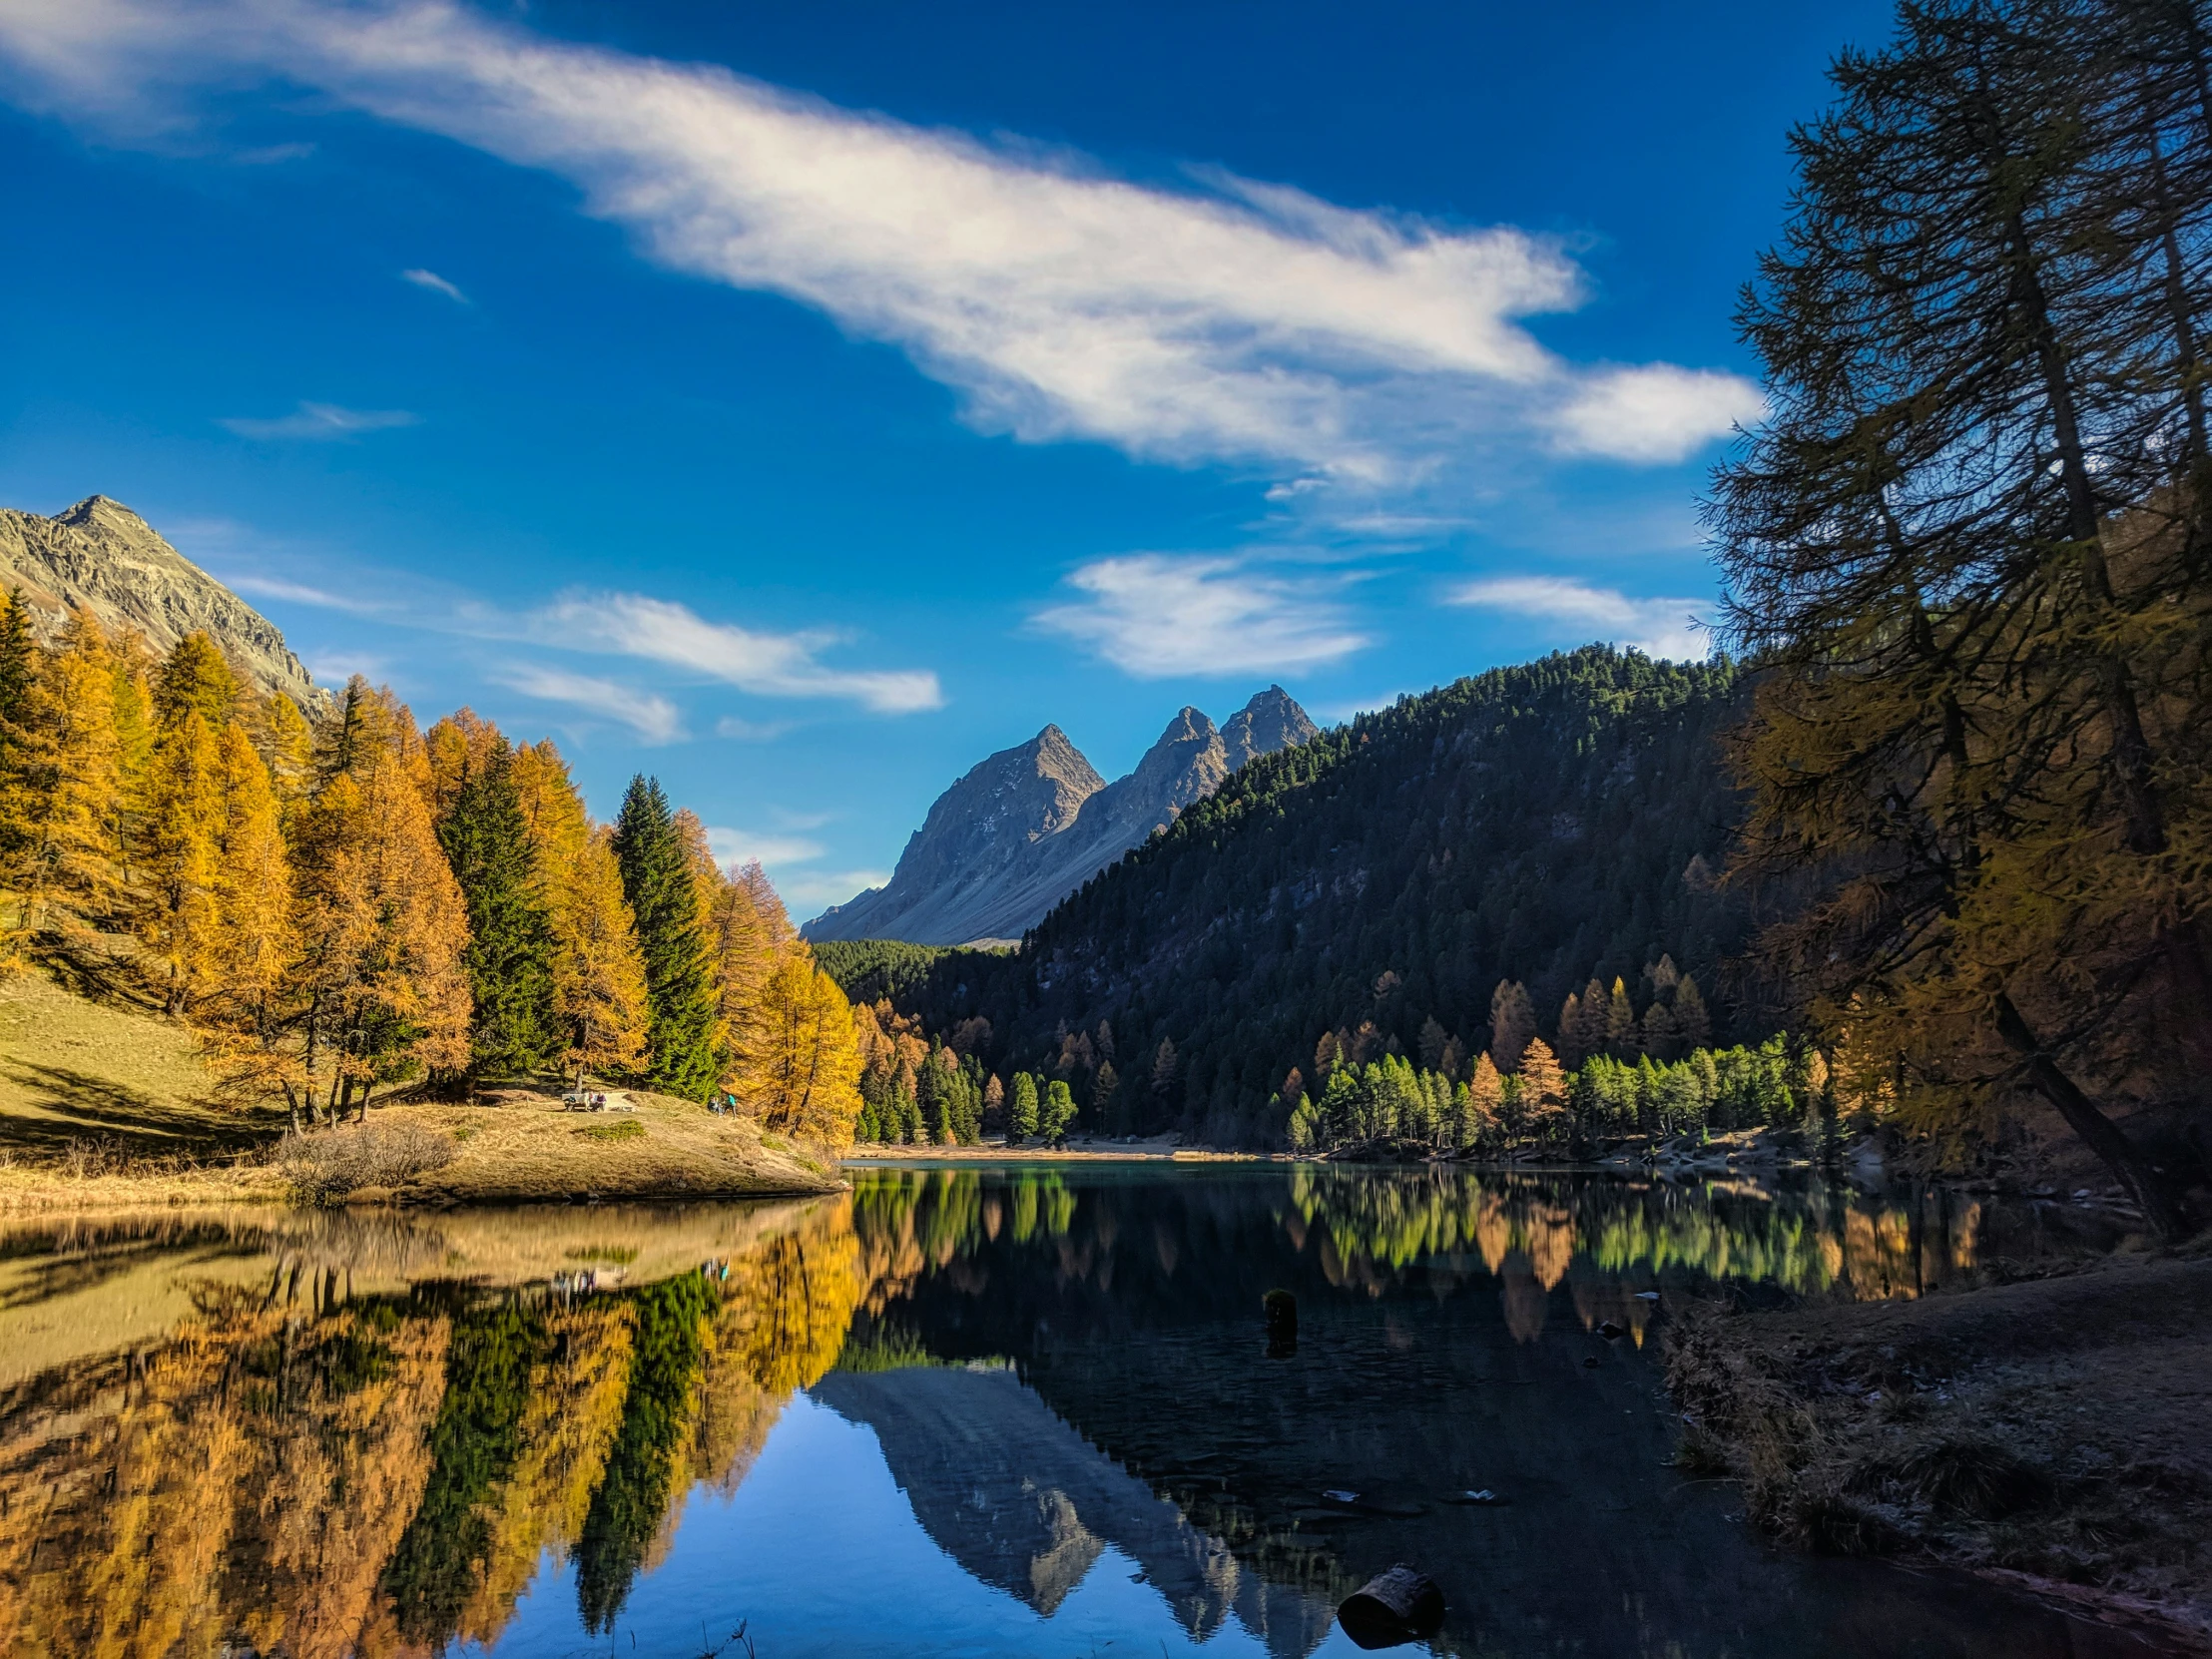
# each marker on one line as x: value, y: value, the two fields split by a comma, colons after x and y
x: 671, y: 938
x: 808, y: 1081
x: 63, y: 866
x: 1969, y: 548
x: 183, y: 812
x: 243, y: 1006
x: 599, y: 990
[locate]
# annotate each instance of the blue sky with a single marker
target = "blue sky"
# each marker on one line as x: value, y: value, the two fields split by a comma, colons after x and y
x: 800, y: 402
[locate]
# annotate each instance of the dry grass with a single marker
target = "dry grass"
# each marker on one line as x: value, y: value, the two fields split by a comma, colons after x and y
x: 2050, y: 1428
x: 105, y: 1106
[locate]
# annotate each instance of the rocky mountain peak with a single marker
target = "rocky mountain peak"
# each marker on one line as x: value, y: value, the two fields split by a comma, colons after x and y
x: 1032, y: 823
x: 102, y: 556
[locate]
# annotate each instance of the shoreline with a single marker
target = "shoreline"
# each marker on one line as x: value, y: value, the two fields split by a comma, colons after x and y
x: 2044, y: 1432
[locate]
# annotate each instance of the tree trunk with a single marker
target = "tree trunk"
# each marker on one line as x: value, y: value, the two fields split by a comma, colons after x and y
x: 2098, y: 1132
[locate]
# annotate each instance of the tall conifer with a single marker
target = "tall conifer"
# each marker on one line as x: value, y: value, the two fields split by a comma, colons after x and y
x: 678, y: 971
x: 513, y: 1026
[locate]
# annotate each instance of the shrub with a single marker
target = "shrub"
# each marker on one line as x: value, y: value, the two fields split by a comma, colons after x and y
x: 329, y: 1163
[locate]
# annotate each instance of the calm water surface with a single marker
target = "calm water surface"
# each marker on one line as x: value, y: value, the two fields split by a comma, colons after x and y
x: 963, y: 1410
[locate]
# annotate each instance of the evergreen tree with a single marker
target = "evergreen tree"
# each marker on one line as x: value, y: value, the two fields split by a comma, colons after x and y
x: 1623, y: 1034
x: 1055, y: 1112
x: 514, y: 1025
x: 679, y: 969
x: 1690, y: 1016
x: 1512, y: 1023
x: 1021, y: 1122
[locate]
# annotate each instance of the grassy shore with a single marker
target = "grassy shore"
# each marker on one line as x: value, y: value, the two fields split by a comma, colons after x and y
x: 105, y: 1106
x: 2049, y: 1431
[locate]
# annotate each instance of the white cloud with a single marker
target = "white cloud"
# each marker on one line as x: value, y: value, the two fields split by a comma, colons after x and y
x: 1231, y: 319
x: 773, y: 664
x: 319, y: 423
x: 747, y: 847
x: 653, y: 718
x: 1154, y: 615
x: 1656, y: 414
x: 811, y: 888
x: 336, y: 668
x: 1657, y: 627
x: 750, y: 731
x: 435, y: 282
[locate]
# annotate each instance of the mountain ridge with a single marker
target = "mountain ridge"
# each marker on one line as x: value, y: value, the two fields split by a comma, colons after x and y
x: 963, y: 879
x: 101, y: 555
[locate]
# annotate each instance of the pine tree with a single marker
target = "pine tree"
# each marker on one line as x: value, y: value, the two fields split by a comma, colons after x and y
x: 1512, y: 1025
x: 679, y: 970
x: 1021, y: 1119
x: 1691, y: 1019
x: 1622, y: 1038
x: 1055, y: 1112
x: 514, y: 1025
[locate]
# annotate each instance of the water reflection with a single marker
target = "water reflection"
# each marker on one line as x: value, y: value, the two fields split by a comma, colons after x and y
x: 382, y: 1435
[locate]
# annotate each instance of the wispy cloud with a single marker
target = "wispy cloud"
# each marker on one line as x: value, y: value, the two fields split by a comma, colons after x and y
x: 773, y: 665
x: 633, y: 625
x: 436, y: 283
x: 653, y: 718
x: 1658, y: 413
x: 747, y: 847
x: 1657, y: 627
x: 804, y: 889
x: 1229, y: 320
x: 319, y: 423
x: 1154, y: 615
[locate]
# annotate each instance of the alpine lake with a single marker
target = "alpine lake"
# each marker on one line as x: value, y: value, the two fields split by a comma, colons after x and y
x: 962, y: 1410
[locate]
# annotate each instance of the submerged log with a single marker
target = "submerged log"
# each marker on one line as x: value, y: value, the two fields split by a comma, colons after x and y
x: 1400, y: 1605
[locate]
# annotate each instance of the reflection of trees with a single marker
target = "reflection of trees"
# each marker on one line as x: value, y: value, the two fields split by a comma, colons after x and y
x: 1377, y: 1222
x: 317, y: 1475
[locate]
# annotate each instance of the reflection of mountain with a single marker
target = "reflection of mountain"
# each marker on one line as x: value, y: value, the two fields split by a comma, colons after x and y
x: 1023, y: 1502
x: 1446, y: 1344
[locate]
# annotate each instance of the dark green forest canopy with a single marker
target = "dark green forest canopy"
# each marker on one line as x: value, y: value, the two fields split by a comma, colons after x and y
x: 1545, y: 823
x: 869, y: 970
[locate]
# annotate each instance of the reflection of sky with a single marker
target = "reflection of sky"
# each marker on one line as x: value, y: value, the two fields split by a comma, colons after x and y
x: 821, y: 1552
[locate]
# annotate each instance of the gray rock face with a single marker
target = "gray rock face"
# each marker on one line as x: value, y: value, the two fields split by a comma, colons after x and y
x: 103, y: 556
x: 964, y: 876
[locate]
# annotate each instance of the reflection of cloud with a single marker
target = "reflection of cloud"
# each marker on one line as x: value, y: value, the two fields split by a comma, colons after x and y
x: 654, y: 719
x: 1153, y: 615
x: 435, y: 282
x: 319, y: 423
x: 751, y: 847
x: 1226, y: 320
x: 1657, y: 627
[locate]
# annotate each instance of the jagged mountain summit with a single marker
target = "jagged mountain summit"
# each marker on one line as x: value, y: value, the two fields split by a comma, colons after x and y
x: 1032, y: 823
x: 103, y: 556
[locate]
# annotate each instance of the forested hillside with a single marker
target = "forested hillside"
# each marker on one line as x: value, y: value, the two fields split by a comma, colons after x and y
x: 1401, y: 884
